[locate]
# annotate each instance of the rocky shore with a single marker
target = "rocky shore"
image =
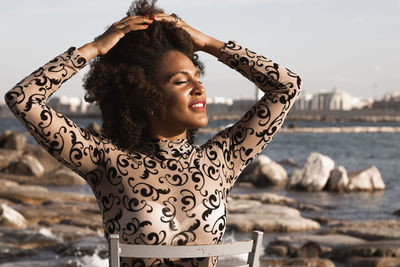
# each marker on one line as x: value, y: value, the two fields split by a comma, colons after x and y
x: 45, y: 227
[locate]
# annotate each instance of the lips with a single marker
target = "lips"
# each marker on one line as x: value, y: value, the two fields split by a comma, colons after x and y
x: 198, y: 105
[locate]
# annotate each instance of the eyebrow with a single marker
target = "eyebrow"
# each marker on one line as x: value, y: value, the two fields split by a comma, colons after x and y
x: 182, y: 72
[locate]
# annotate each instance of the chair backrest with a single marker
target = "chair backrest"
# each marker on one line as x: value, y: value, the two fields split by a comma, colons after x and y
x: 252, y: 247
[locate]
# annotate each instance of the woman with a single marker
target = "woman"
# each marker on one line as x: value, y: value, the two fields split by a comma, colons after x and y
x: 153, y: 186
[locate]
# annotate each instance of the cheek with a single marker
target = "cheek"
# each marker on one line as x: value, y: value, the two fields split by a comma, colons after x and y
x: 177, y: 102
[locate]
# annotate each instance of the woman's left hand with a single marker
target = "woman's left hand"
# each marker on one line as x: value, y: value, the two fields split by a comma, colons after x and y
x: 200, y: 40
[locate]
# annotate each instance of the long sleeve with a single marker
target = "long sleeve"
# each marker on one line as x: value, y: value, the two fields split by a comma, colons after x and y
x: 239, y: 144
x: 71, y: 145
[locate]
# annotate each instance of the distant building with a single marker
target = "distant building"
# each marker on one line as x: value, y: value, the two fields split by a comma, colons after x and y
x: 303, y: 102
x: 390, y: 101
x: 73, y: 106
x: 332, y: 100
x: 359, y: 103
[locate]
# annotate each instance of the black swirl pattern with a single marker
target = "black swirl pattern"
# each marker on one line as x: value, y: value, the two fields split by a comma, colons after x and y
x: 171, y: 192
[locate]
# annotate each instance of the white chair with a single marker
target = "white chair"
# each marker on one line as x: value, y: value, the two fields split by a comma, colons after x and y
x: 252, y: 247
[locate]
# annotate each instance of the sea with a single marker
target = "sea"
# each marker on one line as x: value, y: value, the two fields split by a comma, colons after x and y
x: 354, y: 151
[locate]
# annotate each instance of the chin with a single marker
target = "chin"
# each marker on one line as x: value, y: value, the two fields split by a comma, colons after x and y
x: 203, y: 123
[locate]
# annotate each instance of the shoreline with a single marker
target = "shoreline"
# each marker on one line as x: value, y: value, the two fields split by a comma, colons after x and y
x: 342, y: 129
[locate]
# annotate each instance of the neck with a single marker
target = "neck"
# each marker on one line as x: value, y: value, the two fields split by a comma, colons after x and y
x: 164, y: 135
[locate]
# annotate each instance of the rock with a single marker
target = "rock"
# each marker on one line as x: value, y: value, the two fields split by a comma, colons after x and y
x: 264, y: 172
x: 338, y: 179
x: 71, y: 232
x: 308, y: 207
x: 239, y: 205
x: 276, y: 250
x: 269, y: 218
x: 38, y: 195
x: 61, y: 177
x: 50, y: 213
x: 7, y: 156
x: 390, y: 248
x: 84, y: 246
x: 382, y: 229
x: 314, y: 175
x: 4, y: 183
x: 27, y: 239
x: 298, y: 262
x: 266, y: 198
x: 48, y: 162
x: 92, y: 222
x: 369, y: 179
x: 247, y: 173
x: 308, y: 244
x: 272, y: 174
x: 373, y: 261
x: 11, y: 218
x: 290, y: 162
x: 309, y: 250
x: 12, y: 140
x: 27, y: 165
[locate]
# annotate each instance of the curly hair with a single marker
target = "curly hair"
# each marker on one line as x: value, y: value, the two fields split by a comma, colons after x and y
x: 121, y: 81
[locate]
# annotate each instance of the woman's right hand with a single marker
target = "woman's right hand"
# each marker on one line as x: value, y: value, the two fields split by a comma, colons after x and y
x: 113, y: 34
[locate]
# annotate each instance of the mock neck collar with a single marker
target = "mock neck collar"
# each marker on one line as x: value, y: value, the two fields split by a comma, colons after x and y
x: 168, y: 148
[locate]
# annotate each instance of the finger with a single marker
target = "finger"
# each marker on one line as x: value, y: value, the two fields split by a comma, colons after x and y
x: 164, y: 17
x: 131, y: 23
x: 136, y: 27
x: 137, y: 19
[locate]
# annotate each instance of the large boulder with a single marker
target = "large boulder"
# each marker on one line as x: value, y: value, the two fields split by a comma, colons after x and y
x: 26, y: 165
x: 267, y: 218
x: 369, y: 179
x: 264, y: 172
x: 314, y: 175
x: 338, y: 180
x: 12, y: 140
x: 11, y: 218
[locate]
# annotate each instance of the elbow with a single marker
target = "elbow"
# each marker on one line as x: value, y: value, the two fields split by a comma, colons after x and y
x: 299, y: 83
x: 9, y: 98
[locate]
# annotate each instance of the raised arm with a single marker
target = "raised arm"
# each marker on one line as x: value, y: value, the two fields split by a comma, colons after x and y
x: 75, y: 147
x: 240, y: 144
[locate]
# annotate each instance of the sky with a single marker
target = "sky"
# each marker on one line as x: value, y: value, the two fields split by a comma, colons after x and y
x: 349, y: 45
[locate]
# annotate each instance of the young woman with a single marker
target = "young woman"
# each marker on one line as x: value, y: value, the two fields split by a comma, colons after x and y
x: 153, y: 186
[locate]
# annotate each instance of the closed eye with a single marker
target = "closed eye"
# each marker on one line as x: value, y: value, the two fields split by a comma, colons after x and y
x: 180, y: 82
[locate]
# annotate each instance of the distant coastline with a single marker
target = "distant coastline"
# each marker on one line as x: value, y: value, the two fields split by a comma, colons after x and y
x: 367, y: 115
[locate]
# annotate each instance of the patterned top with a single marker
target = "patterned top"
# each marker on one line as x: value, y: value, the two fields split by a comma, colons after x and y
x: 171, y: 192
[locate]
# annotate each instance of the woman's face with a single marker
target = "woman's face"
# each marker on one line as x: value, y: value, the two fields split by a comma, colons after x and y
x: 185, y: 97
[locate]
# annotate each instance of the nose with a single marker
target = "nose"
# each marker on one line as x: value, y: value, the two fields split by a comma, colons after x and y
x: 198, y: 88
